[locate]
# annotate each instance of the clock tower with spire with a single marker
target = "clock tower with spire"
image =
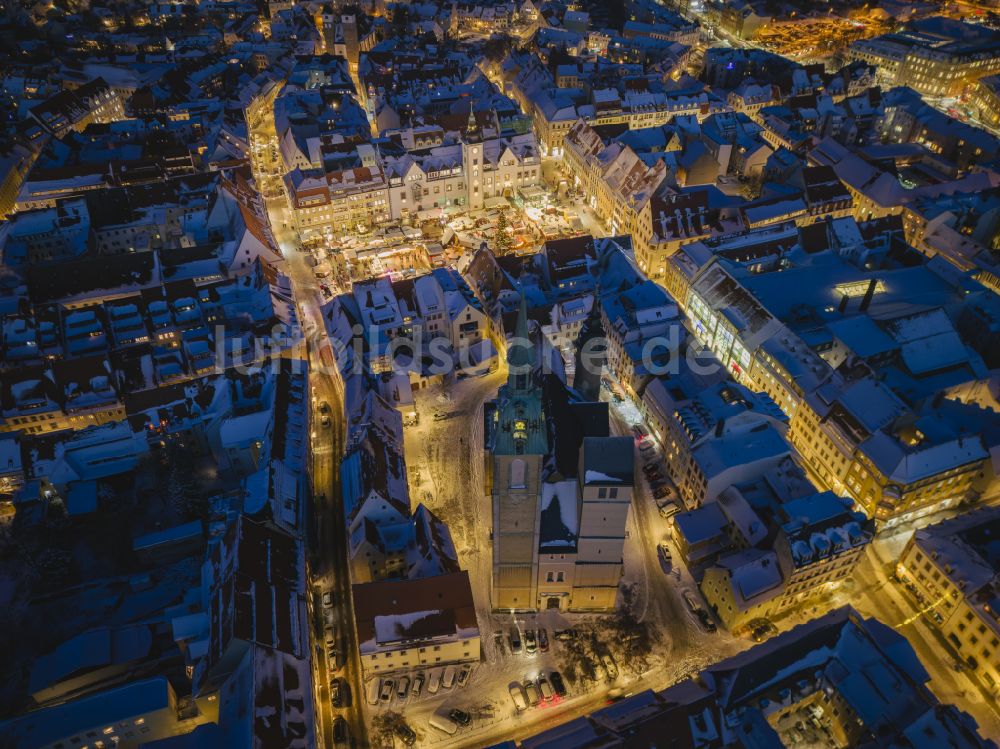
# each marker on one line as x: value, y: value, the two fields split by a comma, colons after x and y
x: 473, y: 159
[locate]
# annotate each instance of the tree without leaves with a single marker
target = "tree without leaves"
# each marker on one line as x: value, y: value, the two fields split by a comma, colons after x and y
x: 183, y: 494
x: 751, y: 186
x: 54, y: 568
x: 383, y: 725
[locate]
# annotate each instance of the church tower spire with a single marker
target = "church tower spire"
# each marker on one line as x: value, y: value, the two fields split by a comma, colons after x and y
x: 521, y: 354
x: 472, y: 131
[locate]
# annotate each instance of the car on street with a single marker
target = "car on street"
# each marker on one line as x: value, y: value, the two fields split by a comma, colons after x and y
x: 515, y: 641
x: 557, y: 683
x: 336, y: 698
x: 418, y: 683
x: 564, y: 635
x: 341, y: 732
x: 762, y: 629
x: 705, y: 620
x: 667, y: 510
x: 693, y: 604
x: 543, y: 640
x: 385, y: 694
x: 661, y: 491
x: 463, y: 675
x: 443, y: 723
x: 653, y: 476
x: 434, y: 681
x: 666, y: 558
x: 651, y: 467
x: 405, y: 733
x: 609, y: 666
x: 647, y: 447
x: 333, y: 656
x: 460, y: 716
x: 534, y: 696
x: 545, y: 687
x: 517, y: 694
x: 325, y: 420
x: 530, y: 643
x: 403, y: 687
x: 639, y: 430
x: 328, y: 599
x: 448, y: 680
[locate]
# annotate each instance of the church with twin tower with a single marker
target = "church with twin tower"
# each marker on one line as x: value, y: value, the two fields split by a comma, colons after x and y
x: 561, y: 489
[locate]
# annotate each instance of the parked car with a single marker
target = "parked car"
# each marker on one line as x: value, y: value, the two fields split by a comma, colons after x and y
x: 463, y: 675
x: 762, y: 629
x: 405, y: 733
x: 564, y: 634
x: 530, y: 643
x: 385, y: 694
x: 639, y: 430
x: 661, y: 491
x: 418, y: 683
x: 543, y: 640
x: 333, y: 658
x: 609, y: 666
x: 705, y: 619
x: 693, y: 604
x: 460, y: 716
x: 557, y: 683
x: 328, y: 599
x: 545, y: 687
x: 434, y: 681
x: 341, y: 732
x: 331, y: 635
x: 448, y: 680
x: 443, y: 723
x: 666, y: 559
x: 403, y: 687
x: 647, y: 447
x: 651, y: 467
x: 534, y: 696
x: 517, y: 694
x: 668, y: 510
x: 515, y: 641
x: 653, y: 476
x: 336, y: 698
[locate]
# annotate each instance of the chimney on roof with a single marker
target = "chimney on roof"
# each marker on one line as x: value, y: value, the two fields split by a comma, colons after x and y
x: 868, y: 295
